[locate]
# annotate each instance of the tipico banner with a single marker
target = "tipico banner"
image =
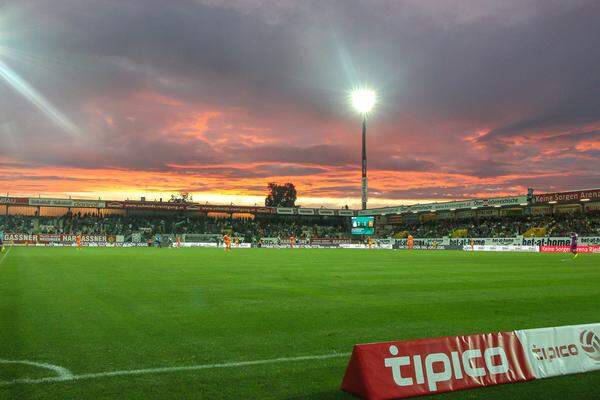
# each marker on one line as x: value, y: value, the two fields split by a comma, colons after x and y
x: 395, y: 370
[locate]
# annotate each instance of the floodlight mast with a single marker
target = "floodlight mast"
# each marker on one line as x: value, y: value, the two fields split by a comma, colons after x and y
x: 364, y: 100
x: 364, y: 185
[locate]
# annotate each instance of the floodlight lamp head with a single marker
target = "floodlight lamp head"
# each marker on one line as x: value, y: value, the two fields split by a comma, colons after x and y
x: 363, y: 100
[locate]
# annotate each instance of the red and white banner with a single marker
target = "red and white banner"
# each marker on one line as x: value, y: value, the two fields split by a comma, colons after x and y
x: 563, y: 350
x: 568, y: 197
x: 567, y: 249
x: 165, y: 206
x: 36, y: 201
x: 20, y: 238
x: 521, y: 249
x: 11, y: 201
x: 394, y: 370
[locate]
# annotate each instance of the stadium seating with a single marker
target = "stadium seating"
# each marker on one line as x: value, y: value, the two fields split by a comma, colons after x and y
x: 284, y: 226
x: 551, y: 225
x: 148, y: 226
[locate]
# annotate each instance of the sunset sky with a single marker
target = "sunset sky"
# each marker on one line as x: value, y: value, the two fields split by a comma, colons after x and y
x: 131, y: 98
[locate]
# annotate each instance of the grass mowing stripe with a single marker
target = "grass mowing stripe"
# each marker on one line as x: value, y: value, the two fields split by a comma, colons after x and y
x: 69, y: 377
x: 107, y: 309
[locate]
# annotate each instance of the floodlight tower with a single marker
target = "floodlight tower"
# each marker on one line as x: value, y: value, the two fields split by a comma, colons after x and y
x: 363, y: 101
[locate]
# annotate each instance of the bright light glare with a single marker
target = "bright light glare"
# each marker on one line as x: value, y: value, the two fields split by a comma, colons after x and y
x: 363, y: 100
x: 26, y: 90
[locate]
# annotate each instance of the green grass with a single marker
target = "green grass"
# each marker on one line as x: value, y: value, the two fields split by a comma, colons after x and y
x: 95, y: 310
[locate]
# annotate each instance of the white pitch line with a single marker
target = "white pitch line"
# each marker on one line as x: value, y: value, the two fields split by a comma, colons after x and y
x: 5, y: 254
x: 145, y: 371
x: 62, y: 372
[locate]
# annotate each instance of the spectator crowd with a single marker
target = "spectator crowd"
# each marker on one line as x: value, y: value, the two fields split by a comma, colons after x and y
x: 303, y: 228
x: 551, y: 225
x: 250, y: 230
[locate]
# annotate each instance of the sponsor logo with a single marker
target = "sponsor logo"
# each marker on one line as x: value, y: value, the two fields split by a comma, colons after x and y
x: 19, y: 237
x: 565, y: 197
x: 91, y: 238
x: 14, y: 200
x: 441, y: 367
x: 552, y: 353
x: 56, y: 238
x: 590, y: 344
x: 88, y: 204
x: 568, y: 249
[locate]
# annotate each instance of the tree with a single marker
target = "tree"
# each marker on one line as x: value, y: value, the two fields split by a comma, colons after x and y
x: 281, y: 195
x: 181, y: 198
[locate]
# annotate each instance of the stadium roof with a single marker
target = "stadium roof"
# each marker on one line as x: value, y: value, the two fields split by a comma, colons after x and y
x: 548, y: 198
x: 583, y: 195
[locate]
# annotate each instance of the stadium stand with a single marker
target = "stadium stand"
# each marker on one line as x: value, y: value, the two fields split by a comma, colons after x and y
x: 250, y: 230
x: 548, y: 225
x: 547, y: 214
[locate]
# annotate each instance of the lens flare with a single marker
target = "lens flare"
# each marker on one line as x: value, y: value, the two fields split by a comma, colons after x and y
x: 363, y: 100
x: 22, y: 87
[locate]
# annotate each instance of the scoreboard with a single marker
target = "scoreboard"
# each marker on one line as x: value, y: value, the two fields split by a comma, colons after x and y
x: 363, y: 225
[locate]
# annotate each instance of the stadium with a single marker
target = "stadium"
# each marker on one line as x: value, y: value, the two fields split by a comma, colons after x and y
x: 538, y: 220
x: 149, y: 303
x: 299, y: 200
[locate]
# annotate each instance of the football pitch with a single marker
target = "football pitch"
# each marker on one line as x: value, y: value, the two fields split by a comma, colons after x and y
x: 140, y: 323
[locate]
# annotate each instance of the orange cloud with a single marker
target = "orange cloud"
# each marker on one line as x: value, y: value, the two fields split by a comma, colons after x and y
x: 335, y: 186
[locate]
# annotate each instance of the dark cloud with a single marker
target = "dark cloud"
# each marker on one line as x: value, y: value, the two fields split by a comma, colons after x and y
x: 559, y: 181
x: 253, y: 171
x: 577, y: 112
x: 393, y: 163
x: 320, y: 154
x: 16, y: 177
x: 480, y: 168
x: 485, y: 89
x: 291, y: 170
